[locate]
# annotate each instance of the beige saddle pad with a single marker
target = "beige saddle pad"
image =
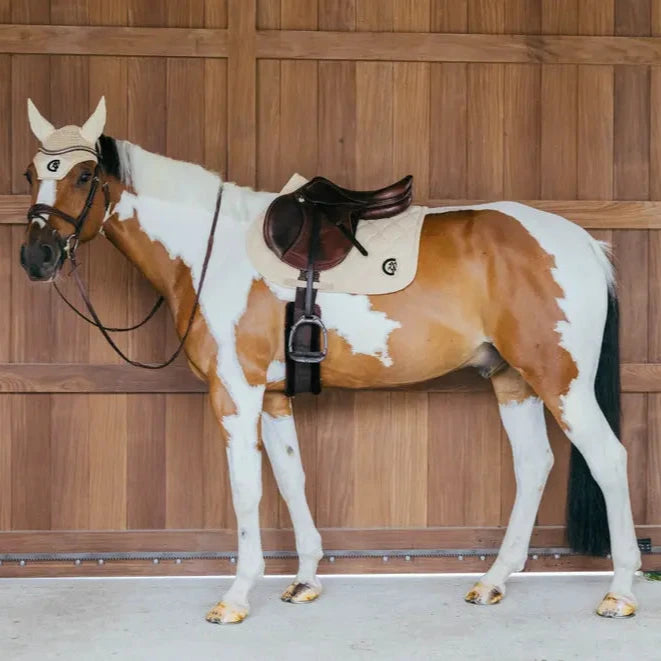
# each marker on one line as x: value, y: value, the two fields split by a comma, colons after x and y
x: 392, y: 243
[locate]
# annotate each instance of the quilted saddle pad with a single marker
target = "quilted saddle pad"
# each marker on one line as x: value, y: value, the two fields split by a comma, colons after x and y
x: 393, y: 245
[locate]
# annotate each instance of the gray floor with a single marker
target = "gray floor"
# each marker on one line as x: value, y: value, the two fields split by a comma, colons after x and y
x: 412, y: 617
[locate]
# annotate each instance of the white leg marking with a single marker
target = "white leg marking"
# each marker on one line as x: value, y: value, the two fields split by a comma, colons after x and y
x: 526, y: 429
x: 281, y: 442
x: 245, y: 466
x: 607, y: 460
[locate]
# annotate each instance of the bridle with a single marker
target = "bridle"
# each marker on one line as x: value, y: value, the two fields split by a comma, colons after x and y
x: 68, y: 249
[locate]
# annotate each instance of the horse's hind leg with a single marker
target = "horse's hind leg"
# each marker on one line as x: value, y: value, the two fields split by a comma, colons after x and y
x: 281, y: 443
x: 589, y: 430
x: 522, y: 414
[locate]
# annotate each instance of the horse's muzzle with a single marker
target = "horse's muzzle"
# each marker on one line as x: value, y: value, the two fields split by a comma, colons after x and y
x: 41, y: 259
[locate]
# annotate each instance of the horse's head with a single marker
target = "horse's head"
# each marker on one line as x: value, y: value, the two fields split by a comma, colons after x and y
x: 70, y: 195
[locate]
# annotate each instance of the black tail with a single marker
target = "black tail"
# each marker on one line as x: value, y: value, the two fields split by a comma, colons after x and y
x: 587, y: 526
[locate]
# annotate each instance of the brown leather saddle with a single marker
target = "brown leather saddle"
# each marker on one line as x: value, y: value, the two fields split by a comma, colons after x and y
x: 313, y: 229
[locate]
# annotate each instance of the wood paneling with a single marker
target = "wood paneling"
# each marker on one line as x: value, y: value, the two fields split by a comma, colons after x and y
x: 545, y: 101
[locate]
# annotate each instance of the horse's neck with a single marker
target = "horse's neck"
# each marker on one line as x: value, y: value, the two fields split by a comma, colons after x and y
x: 164, y: 211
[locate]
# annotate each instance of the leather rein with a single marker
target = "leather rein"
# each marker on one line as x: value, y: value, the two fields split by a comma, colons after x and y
x: 68, y: 249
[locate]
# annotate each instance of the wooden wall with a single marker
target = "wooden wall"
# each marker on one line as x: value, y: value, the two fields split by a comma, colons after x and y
x: 551, y: 101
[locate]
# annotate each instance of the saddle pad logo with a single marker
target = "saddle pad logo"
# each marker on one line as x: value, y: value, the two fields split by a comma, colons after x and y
x: 389, y: 266
x: 54, y: 165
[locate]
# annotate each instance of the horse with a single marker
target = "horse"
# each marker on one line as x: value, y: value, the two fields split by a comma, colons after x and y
x: 523, y: 295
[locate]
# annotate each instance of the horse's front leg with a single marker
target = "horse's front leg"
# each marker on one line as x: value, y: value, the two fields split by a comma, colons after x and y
x: 239, y: 425
x: 281, y: 443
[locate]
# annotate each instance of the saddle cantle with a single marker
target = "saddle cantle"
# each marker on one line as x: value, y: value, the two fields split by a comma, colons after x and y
x: 313, y: 229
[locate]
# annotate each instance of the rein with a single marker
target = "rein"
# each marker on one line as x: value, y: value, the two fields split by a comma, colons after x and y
x: 69, y: 247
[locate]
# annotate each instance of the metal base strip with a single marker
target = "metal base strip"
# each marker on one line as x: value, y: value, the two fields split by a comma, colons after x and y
x: 155, y: 556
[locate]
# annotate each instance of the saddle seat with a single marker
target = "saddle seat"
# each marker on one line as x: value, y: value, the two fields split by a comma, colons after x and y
x: 315, y: 226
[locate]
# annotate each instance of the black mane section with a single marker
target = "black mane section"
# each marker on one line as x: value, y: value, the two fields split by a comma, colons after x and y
x: 108, y: 156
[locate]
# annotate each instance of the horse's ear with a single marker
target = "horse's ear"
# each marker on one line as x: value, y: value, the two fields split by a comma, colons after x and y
x: 93, y: 127
x: 40, y: 126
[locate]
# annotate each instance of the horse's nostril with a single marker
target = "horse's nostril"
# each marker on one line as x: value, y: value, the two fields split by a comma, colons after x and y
x: 47, y: 253
x: 34, y: 270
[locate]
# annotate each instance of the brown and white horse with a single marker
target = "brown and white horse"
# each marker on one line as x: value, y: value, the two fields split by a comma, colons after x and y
x: 495, y: 282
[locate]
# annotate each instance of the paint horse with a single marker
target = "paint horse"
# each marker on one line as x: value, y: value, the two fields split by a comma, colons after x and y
x: 496, y: 284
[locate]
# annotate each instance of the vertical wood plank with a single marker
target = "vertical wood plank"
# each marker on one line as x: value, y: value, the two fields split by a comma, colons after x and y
x: 184, y: 130
x: 5, y: 125
x: 634, y: 437
x: 595, y: 133
x: 411, y: 124
x: 108, y: 76
x: 449, y: 15
x: 270, y: 174
x: 268, y: 14
x: 375, y: 15
x: 596, y: 17
x: 559, y: 131
x: 447, y: 460
x: 30, y: 78
x: 486, y: 16
x: 218, y: 512
x: 215, y: 13
x: 522, y: 127
x: 412, y: 15
x: 298, y: 15
x: 374, y: 124
x: 69, y: 462
x: 298, y: 121
x: 242, y: 92
x: 145, y: 489
x: 185, y: 14
x: 523, y: 16
x: 7, y: 259
x: 184, y: 451
x: 337, y: 15
x: 654, y: 297
x: 408, y: 489
x: 36, y: 12
x: 632, y: 132
x: 448, y: 131
x: 337, y: 121
x: 147, y: 13
x: 485, y: 131
x: 108, y: 12
x: 372, y: 476
x: 107, y: 461
x: 560, y: 16
x: 5, y: 462
x: 335, y: 459
x: 69, y: 12
x: 652, y: 476
x: 215, y: 116
x: 655, y: 134
x: 554, y: 501
x: 633, y: 18
x: 30, y: 458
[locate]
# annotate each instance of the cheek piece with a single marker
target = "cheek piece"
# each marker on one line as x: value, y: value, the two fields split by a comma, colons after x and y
x: 70, y: 243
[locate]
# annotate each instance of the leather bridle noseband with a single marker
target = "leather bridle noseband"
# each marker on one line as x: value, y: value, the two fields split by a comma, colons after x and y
x: 69, y: 245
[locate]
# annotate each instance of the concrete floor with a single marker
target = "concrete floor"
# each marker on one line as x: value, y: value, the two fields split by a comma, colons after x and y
x: 413, y: 617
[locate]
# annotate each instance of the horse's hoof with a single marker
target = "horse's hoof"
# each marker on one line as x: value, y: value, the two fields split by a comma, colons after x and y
x: 617, y: 605
x: 301, y: 593
x: 484, y: 595
x: 227, y: 613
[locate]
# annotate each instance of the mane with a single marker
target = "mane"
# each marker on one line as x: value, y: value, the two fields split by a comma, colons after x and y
x: 163, y: 178
x: 108, y: 156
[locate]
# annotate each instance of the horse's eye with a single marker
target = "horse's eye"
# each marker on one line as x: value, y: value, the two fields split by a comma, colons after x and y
x: 28, y: 175
x: 84, y: 177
